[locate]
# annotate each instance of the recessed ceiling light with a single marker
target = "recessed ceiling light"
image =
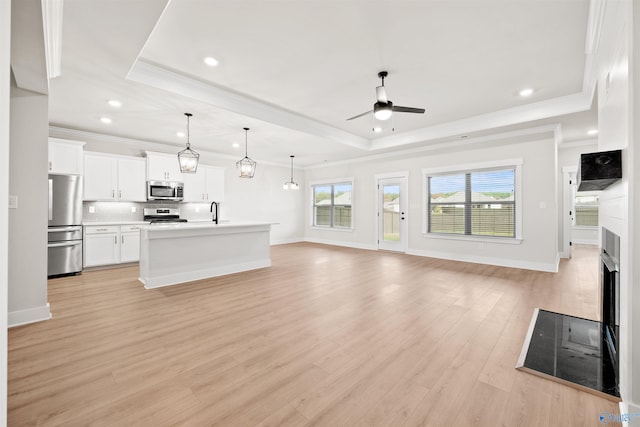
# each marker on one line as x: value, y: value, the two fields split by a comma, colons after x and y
x: 180, y: 134
x: 106, y: 120
x: 211, y: 61
x: 592, y: 132
x: 235, y: 145
x: 526, y: 92
x: 115, y: 103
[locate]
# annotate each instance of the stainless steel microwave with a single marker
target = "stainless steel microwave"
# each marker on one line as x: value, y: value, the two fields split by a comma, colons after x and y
x: 165, y: 190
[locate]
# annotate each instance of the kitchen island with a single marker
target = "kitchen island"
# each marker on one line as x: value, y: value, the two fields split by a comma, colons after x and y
x: 182, y: 252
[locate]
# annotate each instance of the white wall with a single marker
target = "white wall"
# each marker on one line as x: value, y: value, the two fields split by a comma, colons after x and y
x: 615, y: 118
x: 570, y: 157
x: 634, y: 163
x: 538, y: 249
x: 261, y: 198
x: 28, y: 223
x: 5, y: 95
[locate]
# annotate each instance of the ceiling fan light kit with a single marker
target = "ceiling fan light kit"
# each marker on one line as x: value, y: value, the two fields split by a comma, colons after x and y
x: 383, y: 108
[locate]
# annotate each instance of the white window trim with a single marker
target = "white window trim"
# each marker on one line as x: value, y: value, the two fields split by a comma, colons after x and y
x: 516, y: 162
x: 312, y: 202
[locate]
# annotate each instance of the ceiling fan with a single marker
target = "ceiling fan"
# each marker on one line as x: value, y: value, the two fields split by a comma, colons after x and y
x: 383, y: 108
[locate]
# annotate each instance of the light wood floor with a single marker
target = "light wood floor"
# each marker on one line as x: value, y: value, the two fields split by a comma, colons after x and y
x: 326, y: 336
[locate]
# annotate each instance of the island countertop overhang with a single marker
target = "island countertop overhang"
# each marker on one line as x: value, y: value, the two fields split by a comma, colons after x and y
x: 185, y: 229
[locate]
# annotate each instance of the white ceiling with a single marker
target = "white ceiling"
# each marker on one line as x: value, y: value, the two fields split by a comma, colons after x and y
x: 294, y: 71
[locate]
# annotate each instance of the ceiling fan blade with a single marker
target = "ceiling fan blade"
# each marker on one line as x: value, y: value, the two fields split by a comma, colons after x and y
x: 381, y: 94
x: 400, y: 109
x: 360, y: 115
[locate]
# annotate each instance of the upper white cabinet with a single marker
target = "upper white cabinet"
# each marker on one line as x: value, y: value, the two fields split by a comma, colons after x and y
x: 65, y: 156
x: 163, y: 167
x: 206, y: 185
x: 111, y: 177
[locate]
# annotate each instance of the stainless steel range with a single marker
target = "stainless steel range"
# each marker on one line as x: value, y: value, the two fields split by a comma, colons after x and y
x: 162, y: 215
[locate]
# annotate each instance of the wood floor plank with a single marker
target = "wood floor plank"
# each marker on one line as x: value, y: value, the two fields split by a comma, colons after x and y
x: 326, y: 336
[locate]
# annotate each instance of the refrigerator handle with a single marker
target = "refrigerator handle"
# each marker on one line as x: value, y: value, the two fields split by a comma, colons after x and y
x: 50, y: 199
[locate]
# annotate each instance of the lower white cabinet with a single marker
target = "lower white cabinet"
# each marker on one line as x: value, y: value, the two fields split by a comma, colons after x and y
x: 111, y: 244
x: 129, y: 243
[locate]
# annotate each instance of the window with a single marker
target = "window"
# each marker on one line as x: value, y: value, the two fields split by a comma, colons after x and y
x: 586, y: 207
x: 472, y: 203
x: 332, y: 206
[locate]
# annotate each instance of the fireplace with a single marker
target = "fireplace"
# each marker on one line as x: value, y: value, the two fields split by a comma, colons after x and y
x: 610, y: 286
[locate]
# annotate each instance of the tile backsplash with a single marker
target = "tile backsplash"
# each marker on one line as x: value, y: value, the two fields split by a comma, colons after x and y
x: 133, y: 211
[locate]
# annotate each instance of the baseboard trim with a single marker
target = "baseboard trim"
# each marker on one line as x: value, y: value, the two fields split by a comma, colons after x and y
x: 551, y: 267
x: 341, y: 243
x: 29, y: 315
x: 286, y: 241
x: 205, y: 273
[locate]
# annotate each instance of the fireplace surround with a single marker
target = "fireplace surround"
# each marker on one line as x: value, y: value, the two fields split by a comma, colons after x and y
x: 610, y: 296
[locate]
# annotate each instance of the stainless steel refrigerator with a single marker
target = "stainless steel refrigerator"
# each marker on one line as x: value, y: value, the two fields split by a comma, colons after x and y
x: 65, y: 225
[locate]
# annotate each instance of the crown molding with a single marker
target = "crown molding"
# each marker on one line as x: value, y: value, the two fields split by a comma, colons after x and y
x: 581, y: 143
x: 524, y: 113
x: 86, y: 136
x: 156, y: 76
x: 551, y: 130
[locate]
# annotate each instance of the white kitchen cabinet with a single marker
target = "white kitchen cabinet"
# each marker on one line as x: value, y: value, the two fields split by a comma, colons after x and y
x: 132, y: 185
x: 101, y: 245
x: 111, y: 244
x: 110, y: 177
x: 65, y: 156
x: 129, y: 243
x: 163, y: 167
x: 206, y: 185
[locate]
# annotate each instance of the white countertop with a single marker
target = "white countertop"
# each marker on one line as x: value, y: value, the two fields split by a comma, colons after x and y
x: 93, y: 223
x: 202, y: 224
x: 98, y: 223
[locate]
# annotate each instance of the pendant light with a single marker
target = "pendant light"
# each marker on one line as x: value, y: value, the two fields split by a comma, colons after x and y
x: 291, y: 185
x: 246, y: 166
x: 188, y: 158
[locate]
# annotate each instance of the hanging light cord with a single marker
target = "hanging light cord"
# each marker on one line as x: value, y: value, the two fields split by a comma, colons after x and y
x: 291, y: 168
x: 246, y: 131
x: 188, y: 116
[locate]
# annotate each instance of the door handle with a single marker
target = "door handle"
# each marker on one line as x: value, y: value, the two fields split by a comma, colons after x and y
x: 64, y: 229
x: 62, y: 244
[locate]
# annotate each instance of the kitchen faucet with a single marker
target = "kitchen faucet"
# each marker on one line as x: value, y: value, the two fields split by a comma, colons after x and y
x: 214, y: 217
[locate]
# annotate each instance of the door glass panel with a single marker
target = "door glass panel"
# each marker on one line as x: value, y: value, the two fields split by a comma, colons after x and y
x: 391, y: 212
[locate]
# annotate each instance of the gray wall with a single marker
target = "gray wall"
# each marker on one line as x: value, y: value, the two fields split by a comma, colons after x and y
x: 28, y: 223
x: 5, y: 103
x: 538, y: 249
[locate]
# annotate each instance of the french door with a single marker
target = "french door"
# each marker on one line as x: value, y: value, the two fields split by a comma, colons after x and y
x: 392, y: 212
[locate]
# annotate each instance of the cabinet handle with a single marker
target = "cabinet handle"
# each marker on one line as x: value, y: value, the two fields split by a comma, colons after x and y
x: 101, y: 229
x: 202, y: 196
x: 207, y: 196
x: 119, y: 194
x: 50, y: 165
x: 122, y: 238
x: 115, y: 240
x: 113, y: 194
